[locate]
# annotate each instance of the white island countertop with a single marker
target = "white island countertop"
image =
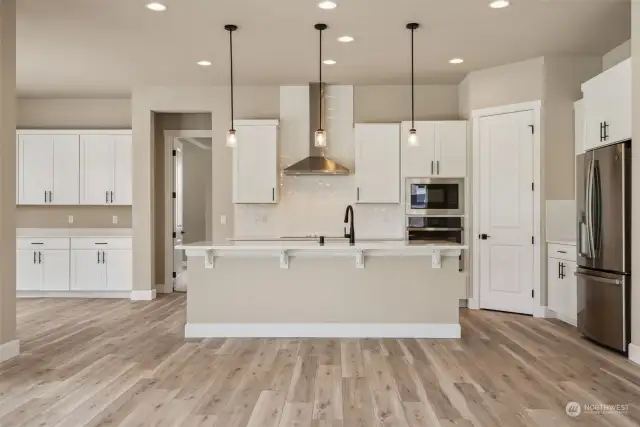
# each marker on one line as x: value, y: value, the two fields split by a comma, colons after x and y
x: 286, y: 249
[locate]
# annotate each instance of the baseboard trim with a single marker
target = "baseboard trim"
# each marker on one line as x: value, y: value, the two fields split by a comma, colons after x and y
x: 322, y: 330
x: 634, y: 353
x: 143, y: 295
x: 473, y: 303
x: 9, y: 350
x: 542, y: 311
x: 164, y: 289
x: 72, y: 294
x: 462, y: 303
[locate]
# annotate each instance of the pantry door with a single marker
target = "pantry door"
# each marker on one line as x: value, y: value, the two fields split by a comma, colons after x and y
x: 505, y: 205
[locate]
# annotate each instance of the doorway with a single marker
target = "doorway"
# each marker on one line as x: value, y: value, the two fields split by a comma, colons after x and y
x: 506, y: 209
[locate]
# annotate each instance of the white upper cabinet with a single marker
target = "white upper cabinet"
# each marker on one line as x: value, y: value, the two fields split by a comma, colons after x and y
x: 578, y: 126
x: 255, y: 164
x: 377, y: 163
x: 442, y: 150
x: 48, y: 169
x: 105, y: 170
x: 607, y: 106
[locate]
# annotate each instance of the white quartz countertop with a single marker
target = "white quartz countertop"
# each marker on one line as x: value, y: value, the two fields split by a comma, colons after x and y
x: 286, y: 249
x: 562, y: 242
x: 73, y: 232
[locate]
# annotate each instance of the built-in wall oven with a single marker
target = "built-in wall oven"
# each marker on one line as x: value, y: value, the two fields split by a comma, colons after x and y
x: 434, y: 196
x: 430, y: 230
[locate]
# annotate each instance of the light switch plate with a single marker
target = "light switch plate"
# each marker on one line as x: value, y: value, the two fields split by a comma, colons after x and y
x: 115, y: 219
x: 70, y: 219
x: 223, y: 219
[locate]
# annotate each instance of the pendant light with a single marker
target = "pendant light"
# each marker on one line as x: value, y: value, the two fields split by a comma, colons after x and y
x: 231, y: 135
x: 321, y: 134
x: 413, y: 135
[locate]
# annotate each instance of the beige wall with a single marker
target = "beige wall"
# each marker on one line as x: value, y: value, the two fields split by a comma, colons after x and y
x: 196, y: 192
x: 388, y: 290
x: 7, y: 171
x: 163, y: 122
x: 616, y: 55
x: 635, y: 226
x: 73, y: 113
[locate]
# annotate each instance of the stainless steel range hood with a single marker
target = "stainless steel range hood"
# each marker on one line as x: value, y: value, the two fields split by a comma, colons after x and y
x: 317, y: 163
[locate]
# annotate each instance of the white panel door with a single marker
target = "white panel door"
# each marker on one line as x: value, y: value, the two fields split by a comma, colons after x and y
x: 55, y: 268
x: 255, y: 165
x: 119, y: 269
x: 36, y: 169
x: 451, y: 149
x: 419, y: 161
x: 65, y: 189
x: 123, y: 188
x: 88, y: 272
x: 377, y: 163
x: 506, y: 212
x: 97, y: 159
x: 28, y: 271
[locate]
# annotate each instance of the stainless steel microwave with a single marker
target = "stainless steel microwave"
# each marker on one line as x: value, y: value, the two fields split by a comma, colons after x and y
x: 434, y: 196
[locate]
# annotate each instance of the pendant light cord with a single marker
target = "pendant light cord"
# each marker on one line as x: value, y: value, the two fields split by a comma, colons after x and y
x: 320, y: 85
x: 231, y: 62
x: 413, y: 106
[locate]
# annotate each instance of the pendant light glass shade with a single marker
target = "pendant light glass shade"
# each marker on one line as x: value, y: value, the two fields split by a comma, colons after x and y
x: 232, y: 141
x: 321, y: 138
x: 413, y: 138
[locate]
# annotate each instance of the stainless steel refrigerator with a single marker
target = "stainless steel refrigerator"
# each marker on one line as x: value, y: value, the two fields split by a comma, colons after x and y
x: 604, y: 245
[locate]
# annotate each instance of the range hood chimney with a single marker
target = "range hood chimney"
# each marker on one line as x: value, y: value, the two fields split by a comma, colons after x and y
x: 317, y: 163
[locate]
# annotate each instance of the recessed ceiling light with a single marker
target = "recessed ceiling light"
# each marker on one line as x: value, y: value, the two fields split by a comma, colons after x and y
x: 327, y: 5
x: 156, y: 7
x: 499, y: 4
x: 329, y: 62
x: 204, y: 63
x: 456, y: 61
x: 345, y: 39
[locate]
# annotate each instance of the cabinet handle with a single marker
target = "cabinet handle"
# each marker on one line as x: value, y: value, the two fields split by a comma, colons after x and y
x: 438, y: 167
x: 358, y: 193
x: 559, y: 270
x: 45, y: 197
x: 601, y: 132
x: 39, y: 257
x: 273, y: 194
x: 562, y: 252
x: 98, y: 257
x: 111, y: 196
x: 431, y: 167
x: 106, y: 197
x: 606, y: 131
x: 50, y: 196
x: 103, y: 257
x: 34, y: 257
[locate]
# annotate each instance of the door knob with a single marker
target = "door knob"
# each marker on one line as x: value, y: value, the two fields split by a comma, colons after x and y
x: 483, y: 236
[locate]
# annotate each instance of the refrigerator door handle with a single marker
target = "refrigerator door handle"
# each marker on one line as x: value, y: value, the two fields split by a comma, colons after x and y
x: 598, y: 279
x: 589, y: 210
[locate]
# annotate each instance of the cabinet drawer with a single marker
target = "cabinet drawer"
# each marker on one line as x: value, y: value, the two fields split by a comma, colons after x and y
x: 42, y: 243
x: 565, y: 252
x: 101, y: 243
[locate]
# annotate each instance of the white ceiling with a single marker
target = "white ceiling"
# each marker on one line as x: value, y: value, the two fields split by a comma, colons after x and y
x: 105, y: 47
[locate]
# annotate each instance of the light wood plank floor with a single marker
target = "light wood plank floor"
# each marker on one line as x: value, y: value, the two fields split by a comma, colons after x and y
x: 121, y: 363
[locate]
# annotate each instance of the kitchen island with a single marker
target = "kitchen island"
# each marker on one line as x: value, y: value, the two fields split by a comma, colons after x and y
x: 302, y: 289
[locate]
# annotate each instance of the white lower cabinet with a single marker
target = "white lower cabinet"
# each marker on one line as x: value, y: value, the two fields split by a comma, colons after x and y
x: 562, y: 285
x: 74, y: 264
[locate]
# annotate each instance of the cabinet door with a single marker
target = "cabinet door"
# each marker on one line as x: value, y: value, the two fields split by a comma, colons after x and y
x: 571, y: 293
x: 578, y: 126
x: 594, y: 105
x: 255, y: 165
x: 65, y: 189
x: 88, y: 273
x: 55, y: 270
x: 122, y: 191
x: 119, y: 269
x: 618, y: 113
x: 451, y: 149
x: 97, y: 158
x: 36, y: 169
x: 377, y: 163
x: 419, y: 161
x: 555, y: 287
x: 28, y: 271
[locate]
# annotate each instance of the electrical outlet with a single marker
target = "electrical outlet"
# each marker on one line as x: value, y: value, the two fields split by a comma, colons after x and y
x: 70, y: 219
x: 115, y: 219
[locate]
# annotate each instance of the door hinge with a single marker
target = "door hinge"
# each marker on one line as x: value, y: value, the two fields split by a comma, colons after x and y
x: 533, y: 240
x: 173, y: 194
x: 533, y: 293
x: 173, y: 153
x: 532, y: 129
x: 174, y: 275
x: 533, y: 186
x: 174, y: 234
